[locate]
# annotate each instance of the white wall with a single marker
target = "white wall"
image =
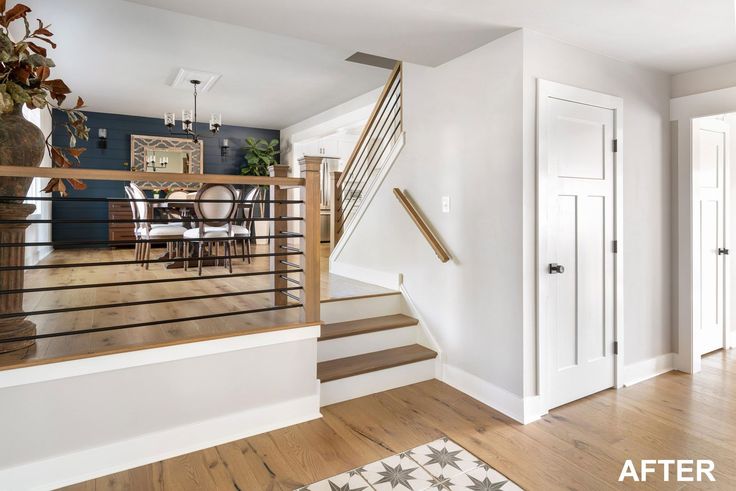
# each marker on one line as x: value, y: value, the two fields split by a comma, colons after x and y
x: 463, y: 140
x: 86, y: 418
x: 647, y: 186
x: 471, y: 134
x: 704, y: 80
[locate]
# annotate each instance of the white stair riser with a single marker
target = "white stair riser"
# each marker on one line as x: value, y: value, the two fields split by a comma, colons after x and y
x: 361, y: 308
x: 366, y: 343
x: 379, y: 381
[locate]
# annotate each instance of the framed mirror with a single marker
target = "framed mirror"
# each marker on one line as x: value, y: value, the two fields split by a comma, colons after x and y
x: 158, y: 154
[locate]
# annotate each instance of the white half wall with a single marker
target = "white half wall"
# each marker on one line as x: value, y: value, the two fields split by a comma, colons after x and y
x: 647, y: 190
x: 66, y: 430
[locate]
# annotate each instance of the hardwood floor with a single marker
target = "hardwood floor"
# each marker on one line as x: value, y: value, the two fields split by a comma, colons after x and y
x: 581, y: 446
x: 61, y: 348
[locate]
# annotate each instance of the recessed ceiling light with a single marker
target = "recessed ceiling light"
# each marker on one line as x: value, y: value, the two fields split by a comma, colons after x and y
x: 183, y: 79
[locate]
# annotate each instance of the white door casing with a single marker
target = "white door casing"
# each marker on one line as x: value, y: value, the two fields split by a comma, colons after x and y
x: 579, y: 199
x: 710, y: 149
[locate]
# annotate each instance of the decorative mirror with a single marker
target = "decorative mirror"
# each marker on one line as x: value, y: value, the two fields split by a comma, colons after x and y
x: 157, y: 154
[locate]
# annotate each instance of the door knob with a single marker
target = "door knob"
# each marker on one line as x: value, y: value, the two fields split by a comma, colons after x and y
x: 723, y: 252
x: 555, y: 268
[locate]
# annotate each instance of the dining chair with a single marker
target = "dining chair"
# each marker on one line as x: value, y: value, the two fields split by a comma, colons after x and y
x: 243, y: 231
x: 215, y: 220
x: 136, y: 222
x: 149, y: 232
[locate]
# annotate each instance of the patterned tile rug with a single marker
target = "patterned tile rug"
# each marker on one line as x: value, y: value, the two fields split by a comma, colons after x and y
x: 441, y: 465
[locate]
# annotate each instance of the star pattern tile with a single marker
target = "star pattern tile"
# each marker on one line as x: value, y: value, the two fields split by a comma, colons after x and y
x: 441, y: 465
x: 444, y: 457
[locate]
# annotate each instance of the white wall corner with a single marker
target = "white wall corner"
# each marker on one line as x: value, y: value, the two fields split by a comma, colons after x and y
x: 534, y: 409
x: 646, y: 369
x: 491, y: 395
x: 426, y: 338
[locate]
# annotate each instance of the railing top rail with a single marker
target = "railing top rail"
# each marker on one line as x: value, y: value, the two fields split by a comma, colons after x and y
x: 371, y: 119
x: 120, y: 175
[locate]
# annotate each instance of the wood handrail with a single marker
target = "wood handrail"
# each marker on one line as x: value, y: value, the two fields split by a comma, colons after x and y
x: 121, y: 175
x: 421, y: 223
x: 371, y: 119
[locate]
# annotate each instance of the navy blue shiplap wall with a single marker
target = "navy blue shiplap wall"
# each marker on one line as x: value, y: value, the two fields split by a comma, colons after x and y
x: 119, y: 128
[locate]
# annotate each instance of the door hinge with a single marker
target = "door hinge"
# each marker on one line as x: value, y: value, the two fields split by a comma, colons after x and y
x: 615, y: 347
x: 615, y: 146
x: 615, y: 247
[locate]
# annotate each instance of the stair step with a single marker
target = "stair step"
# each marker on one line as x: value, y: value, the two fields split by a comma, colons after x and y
x: 365, y: 326
x: 371, y: 362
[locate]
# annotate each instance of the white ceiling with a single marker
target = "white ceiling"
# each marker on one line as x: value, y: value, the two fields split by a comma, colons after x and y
x: 669, y: 35
x: 121, y: 56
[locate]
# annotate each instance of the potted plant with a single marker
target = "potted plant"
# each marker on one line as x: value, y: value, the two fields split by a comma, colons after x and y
x: 260, y: 154
x: 25, y: 79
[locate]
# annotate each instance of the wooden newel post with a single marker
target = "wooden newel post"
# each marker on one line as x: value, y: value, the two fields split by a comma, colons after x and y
x: 310, y: 172
x: 335, y: 207
x: 278, y: 210
x: 13, y: 233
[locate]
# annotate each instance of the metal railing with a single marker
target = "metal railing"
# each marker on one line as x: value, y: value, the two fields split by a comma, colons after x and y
x: 66, y: 283
x: 378, y: 138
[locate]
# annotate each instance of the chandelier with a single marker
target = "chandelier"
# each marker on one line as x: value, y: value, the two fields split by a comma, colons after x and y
x: 189, y: 120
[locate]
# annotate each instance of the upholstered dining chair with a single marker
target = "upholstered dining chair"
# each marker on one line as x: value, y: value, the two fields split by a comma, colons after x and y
x: 215, y: 220
x: 136, y: 222
x: 244, y: 229
x: 146, y: 231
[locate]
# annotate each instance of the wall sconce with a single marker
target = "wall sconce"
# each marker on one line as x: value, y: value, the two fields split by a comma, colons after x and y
x: 102, y: 138
x: 225, y: 147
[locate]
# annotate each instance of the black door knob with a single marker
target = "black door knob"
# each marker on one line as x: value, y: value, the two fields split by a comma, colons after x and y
x: 723, y: 252
x: 555, y: 268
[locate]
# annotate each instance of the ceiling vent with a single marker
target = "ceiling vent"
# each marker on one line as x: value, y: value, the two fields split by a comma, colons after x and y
x: 372, y: 60
x: 183, y: 79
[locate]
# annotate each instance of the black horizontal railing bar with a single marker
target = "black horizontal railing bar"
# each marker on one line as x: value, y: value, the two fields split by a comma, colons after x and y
x: 291, y: 280
x: 291, y: 295
x: 289, y: 233
x: 148, y: 282
x: 293, y: 265
x: 147, y: 324
x: 371, y: 132
x: 133, y: 242
x: 151, y: 220
x: 146, y: 200
x: 289, y: 248
x: 146, y: 261
x: 346, y: 207
x: 358, y: 166
x: 63, y: 310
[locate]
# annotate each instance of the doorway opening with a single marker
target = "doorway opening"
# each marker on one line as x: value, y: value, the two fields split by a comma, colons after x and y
x: 713, y: 148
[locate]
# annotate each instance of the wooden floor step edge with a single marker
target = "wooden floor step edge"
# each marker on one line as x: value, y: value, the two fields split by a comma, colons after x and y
x: 359, y: 296
x: 371, y: 362
x: 364, y: 326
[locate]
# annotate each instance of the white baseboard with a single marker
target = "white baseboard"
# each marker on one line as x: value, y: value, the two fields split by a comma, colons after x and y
x: 512, y: 405
x: 646, y: 369
x: 372, y: 276
x: 96, y: 462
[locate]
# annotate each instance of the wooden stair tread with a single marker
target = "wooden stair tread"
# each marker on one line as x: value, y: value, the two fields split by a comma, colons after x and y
x: 371, y: 362
x: 364, y: 326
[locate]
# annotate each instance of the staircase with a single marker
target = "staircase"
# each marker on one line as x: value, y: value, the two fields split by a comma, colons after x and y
x: 370, y: 345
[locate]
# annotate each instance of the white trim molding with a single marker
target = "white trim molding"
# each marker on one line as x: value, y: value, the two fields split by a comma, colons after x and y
x: 646, y: 369
x: 522, y: 409
x: 366, y: 275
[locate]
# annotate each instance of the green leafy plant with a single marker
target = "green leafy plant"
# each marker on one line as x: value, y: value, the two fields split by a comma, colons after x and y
x: 25, y: 72
x: 259, y: 155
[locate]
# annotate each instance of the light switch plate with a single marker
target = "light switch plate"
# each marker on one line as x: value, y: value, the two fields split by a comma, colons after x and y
x: 445, y: 204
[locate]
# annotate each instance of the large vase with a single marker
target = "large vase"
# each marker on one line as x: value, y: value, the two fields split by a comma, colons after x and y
x: 21, y: 144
